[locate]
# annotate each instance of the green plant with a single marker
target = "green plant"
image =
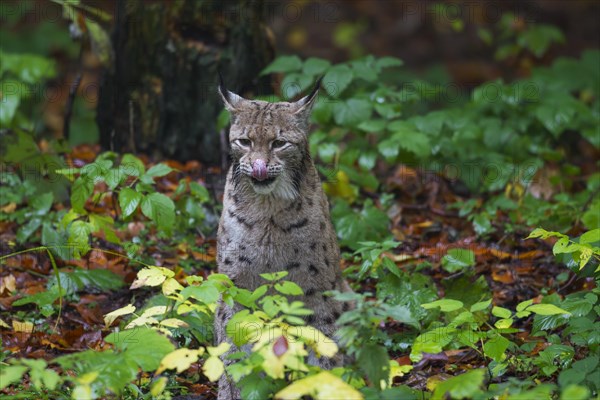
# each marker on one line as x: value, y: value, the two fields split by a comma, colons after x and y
x: 581, y: 251
x: 496, y: 142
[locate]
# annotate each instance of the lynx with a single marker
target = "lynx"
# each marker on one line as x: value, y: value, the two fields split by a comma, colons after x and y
x: 275, y: 213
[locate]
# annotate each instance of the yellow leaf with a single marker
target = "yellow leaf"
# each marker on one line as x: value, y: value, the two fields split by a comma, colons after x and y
x: 156, y: 310
x: 111, y: 316
x: 219, y: 350
x: 88, y: 378
x: 82, y: 392
x: 140, y: 321
x: 173, y: 323
x: 584, y: 257
x: 341, y: 187
x: 26, y: 327
x: 4, y: 324
x: 213, y: 368
x: 397, y: 370
x: 9, y: 208
x: 315, y: 338
x: 171, y: 286
x: 323, y: 386
x: 151, y: 276
x: 185, y: 308
x: 158, y: 386
x: 8, y: 283
x: 180, y: 359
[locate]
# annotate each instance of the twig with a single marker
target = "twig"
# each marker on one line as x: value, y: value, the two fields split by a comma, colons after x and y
x: 131, y: 129
x: 71, y: 99
x: 70, y: 102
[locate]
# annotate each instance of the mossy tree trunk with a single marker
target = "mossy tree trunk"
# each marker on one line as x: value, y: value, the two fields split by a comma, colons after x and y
x: 160, y: 98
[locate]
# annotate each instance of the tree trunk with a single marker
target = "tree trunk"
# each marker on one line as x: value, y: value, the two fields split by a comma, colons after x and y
x: 160, y: 98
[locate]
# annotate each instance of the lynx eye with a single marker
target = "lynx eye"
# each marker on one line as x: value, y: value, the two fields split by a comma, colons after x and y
x: 244, y: 142
x: 278, y: 144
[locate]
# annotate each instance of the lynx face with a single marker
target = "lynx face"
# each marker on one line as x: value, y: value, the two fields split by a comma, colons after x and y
x: 269, y: 144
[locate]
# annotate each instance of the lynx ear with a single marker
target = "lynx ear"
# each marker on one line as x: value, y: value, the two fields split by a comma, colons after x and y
x: 231, y: 100
x: 305, y: 104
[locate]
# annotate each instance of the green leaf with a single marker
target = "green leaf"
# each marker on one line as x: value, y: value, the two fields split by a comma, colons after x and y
x: 315, y: 66
x: 461, y: 386
x: 539, y: 37
x: 389, y: 149
x: 288, y: 288
x: 79, y: 237
x: 367, y: 160
x: 255, y: 387
x: 129, y: 200
x: 199, y: 192
x: 28, y: 229
x: 160, y: 209
x: 446, y: 305
x: 504, y: 323
x: 373, y: 360
x: 283, y: 64
x: 101, y: 44
x: 274, y: 276
x: 41, y: 299
x: 10, y: 102
x: 81, y: 190
x: 42, y: 203
x: 592, y: 236
x: 403, y: 314
x: 501, y: 312
x: 386, y: 62
x: 546, y: 309
x: 482, y: 305
x: 482, y: 224
x: 353, y: 227
x: 294, y: 84
x: 351, y: 112
x: 114, y: 177
x: 544, y: 234
x: 136, y: 343
x: 407, y: 290
x: 117, y: 370
x: 159, y: 170
x: 207, y: 294
x: 132, y: 166
x: 413, y: 141
x: 29, y: 68
x: 11, y: 374
x: 373, y: 125
x: 79, y: 279
x: 432, y: 342
x: 106, y: 225
x: 458, y: 259
x: 575, y: 392
x: 495, y: 348
x: 337, y: 79
x: 524, y: 304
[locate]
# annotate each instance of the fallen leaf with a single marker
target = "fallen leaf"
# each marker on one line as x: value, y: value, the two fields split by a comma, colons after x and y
x: 19, y: 326
x: 8, y: 283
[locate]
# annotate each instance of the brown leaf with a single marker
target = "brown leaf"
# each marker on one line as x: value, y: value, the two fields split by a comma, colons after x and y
x: 280, y: 347
x: 8, y: 283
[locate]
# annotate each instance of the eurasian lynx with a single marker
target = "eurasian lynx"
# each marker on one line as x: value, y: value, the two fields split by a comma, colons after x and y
x: 275, y: 213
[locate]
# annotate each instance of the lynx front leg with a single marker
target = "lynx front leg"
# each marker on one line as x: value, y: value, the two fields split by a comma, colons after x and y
x: 227, y: 388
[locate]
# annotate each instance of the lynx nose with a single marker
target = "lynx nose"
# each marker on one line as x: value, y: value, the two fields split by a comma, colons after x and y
x: 259, y: 169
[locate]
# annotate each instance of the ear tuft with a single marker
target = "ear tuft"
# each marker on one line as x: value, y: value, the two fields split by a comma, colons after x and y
x: 230, y: 99
x: 305, y: 104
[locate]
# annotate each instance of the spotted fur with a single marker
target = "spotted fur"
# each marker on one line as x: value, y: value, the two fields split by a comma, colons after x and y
x: 279, y: 220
